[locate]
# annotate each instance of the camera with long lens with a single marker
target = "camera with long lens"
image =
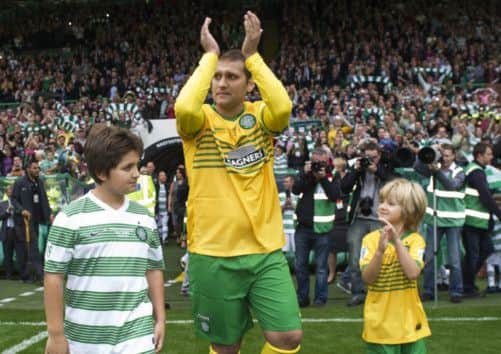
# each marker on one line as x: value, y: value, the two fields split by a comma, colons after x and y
x: 365, y: 205
x: 316, y: 166
x: 428, y: 155
x: 365, y: 162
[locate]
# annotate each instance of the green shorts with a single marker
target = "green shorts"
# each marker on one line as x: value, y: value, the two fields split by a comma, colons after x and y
x: 417, y: 347
x: 225, y: 289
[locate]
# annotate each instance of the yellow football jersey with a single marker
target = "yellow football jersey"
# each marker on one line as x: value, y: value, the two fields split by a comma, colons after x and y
x: 393, y: 312
x: 233, y: 204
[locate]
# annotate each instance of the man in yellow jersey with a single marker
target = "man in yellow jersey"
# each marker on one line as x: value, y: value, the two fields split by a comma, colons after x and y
x: 235, y: 231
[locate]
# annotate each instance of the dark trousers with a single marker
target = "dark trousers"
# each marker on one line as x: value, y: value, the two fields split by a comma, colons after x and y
x: 11, y: 244
x: 478, y: 246
x: 30, y: 257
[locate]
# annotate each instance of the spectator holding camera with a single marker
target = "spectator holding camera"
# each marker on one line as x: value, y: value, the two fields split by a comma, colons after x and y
x: 367, y: 177
x: 447, y: 182
x: 315, y: 215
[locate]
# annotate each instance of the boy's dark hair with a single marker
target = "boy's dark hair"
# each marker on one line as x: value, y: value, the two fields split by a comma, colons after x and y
x: 235, y: 55
x: 106, y: 146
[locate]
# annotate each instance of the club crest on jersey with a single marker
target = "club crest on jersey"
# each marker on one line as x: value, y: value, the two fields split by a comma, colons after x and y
x: 244, y: 156
x: 247, y: 121
x: 141, y: 233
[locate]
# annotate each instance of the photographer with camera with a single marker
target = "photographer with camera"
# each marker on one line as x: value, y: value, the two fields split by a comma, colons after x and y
x: 368, y: 176
x: 315, y: 215
x: 447, y: 182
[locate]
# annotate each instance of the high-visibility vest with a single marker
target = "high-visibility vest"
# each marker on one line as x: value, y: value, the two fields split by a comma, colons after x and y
x: 145, y: 193
x: 323, y: 211
x: 477, y: 215
x: 450, y: 204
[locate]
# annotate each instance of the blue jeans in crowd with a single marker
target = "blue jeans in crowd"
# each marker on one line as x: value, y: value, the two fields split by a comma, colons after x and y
x: 307, y: 240
x: 454, y: 260
x: 358, y: 229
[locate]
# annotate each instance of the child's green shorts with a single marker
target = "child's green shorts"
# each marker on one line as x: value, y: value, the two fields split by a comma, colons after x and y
x: 225, y: 289
x: 417, y: 347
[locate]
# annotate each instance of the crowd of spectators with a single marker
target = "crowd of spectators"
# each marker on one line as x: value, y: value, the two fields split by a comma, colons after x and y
x: 391, y: 70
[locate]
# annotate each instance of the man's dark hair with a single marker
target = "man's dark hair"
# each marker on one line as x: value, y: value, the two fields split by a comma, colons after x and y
x: 370, y: 145
x: 29, y: 161
x: 106, y: 146
x: 480, y: 149
x: 235, y: 55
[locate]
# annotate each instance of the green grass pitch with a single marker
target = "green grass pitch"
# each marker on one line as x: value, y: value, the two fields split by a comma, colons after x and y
x: 472, y: 326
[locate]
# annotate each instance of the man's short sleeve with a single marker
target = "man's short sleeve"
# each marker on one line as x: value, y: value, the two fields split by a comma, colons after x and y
x: 60, y: 244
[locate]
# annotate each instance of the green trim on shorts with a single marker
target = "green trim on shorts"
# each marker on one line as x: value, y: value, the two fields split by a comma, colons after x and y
x: 226, y: 289
x: 417, y: 347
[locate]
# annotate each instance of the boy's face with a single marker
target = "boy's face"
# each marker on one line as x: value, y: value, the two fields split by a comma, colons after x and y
x: 288, y: 183
x: 230, y: 84
x: 390, y: 211
x: 122, y: 179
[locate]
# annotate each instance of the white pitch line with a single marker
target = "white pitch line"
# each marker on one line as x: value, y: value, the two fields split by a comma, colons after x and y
x: 26, y: 343
x: 305, y: 320
x: 7, y: 299
x: 28, y: 293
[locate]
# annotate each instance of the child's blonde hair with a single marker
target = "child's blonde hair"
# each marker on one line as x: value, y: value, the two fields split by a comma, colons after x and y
x: 341, y: 162
x: 411, y: 198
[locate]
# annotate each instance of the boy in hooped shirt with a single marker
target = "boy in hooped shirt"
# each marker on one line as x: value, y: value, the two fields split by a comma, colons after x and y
x: 391, y: 260
x: 104, y: 265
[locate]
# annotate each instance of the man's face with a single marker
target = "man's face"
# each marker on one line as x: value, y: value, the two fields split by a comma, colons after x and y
x: 33, y: 170
x: 442, y: 132
x: 448, y: 157
x: 230, y: 84
x: 150, y: 167
x: 17, y: 162
x: 288, y: 182
x: 373, y: 155
x: 162, y: 177
x: 486, y: 157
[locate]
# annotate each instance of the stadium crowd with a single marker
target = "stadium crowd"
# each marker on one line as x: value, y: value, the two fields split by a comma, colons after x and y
x: 405, y: 75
